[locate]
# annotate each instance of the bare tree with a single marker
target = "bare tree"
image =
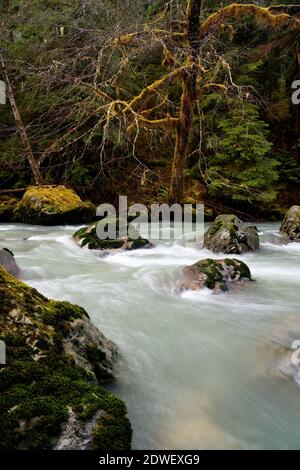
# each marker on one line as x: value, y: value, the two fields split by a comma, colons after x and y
x: 20, y: 126
x: 90, y: 65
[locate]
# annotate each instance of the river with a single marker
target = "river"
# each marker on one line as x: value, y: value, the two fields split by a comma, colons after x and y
x: 196, y: 369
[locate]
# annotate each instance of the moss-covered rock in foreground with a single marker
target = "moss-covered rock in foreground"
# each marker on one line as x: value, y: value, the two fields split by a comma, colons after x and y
x: 213, y: 274
x: 228, y: 235
x: 53, y: 206
x: 49, y: 392
x: 87, y: 237
x: 291, y: 224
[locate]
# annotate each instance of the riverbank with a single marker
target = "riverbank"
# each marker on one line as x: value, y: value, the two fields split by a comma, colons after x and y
x: 10, y: 200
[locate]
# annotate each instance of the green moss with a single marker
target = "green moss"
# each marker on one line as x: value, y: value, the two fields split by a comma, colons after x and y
x: 215, y: 228
x: 57, y: 312
x: 54, y: 198
x: 138, y: 243
x: 228, y: 221
x: 37, y: 394
x: 52, y: 205
x: 214, y: 273
x: 40, y: 400
x: 216, y: 276
x: 7, y: 206
x: 110, y: 432
x: 13, y: 291
x: 226, y: 218
x: 229, y: 235
x: 241, y: 268
x: 81, y: 233
x: 88, y: 237
x: 232, y: 229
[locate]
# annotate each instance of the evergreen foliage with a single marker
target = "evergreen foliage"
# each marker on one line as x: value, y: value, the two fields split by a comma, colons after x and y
x: 58, y: 53
x: 242, y: 167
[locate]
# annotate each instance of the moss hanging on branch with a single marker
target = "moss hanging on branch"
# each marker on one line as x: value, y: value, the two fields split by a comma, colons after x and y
x: 263, y: 16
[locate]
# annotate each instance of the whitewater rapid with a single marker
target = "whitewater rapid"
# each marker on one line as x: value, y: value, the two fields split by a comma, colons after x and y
x: 196, y: 369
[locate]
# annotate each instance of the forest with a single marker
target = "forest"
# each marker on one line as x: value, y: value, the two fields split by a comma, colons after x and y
x: 99, y: 87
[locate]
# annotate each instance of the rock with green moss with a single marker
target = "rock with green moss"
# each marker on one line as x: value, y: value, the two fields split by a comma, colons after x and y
x: 229, y: 235
x: 290, y: 227
x: 50, y: 386
x: 7, y: 207
x: 213, y: 274
x: 88, y: 237
x: 53, y: 206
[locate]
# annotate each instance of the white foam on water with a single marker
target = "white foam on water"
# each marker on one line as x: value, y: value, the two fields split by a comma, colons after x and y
x: 290, y: 247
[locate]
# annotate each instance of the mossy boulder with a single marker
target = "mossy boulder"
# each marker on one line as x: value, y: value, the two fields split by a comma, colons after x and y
x: 291, y: 225
x: 50, y: 385
x: 213, y: 274
x: 53, y: 206
x: 7, y: 207
x: 87, y: 237
x: 229, y: 235
x: 7, y: 261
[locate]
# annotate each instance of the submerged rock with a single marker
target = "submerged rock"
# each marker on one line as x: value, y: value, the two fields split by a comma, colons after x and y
x: 285, y: 365
x: 87, y: 237
x: 7, y: 261
x: 213, y: 274
x: 55, y: 361
x: 291, y: 224
x: 228, y: 235
x: 280, y: 359
x: 53, y: 206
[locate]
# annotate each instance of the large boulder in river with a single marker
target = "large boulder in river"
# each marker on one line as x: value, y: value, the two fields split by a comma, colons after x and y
x: 213, y: 274
x: 291, y: 224
x: 7, y: 261
x: 88, y: 237
x: 229, y: 235
x: 50, y: 385
x: 53, y: 206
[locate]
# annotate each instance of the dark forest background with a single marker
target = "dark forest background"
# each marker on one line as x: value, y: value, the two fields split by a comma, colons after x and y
x: 245, y: 144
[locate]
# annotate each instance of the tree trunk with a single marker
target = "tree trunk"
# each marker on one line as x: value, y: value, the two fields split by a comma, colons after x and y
x: 20, y: 126
x: 188, y: 97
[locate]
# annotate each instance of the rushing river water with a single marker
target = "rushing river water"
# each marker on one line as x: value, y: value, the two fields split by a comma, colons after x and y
x: 197, y: 369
